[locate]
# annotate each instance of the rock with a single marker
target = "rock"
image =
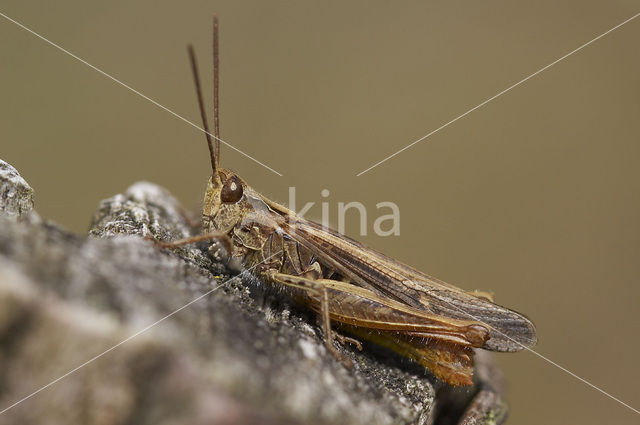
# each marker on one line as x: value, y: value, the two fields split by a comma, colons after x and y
x: 109, y: 329
x: 16, y: 196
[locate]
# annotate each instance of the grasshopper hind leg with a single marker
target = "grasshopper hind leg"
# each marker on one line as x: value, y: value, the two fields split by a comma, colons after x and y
x: 320, y: 291
x: 445, y: 348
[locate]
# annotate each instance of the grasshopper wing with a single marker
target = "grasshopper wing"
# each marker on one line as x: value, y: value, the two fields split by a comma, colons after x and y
x: 364, y: 267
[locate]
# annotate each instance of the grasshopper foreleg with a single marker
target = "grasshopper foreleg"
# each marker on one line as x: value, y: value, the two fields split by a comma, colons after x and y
x: 220, y: 236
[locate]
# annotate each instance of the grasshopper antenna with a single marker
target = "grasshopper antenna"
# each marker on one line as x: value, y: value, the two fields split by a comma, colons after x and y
x: 196, y: 78
x: 216, y: 102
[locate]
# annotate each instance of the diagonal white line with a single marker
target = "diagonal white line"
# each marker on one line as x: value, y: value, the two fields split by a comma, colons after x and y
x: 498, y: 95
x: 540, y: 355
x: 114, y: 79
x: 131, y: 337
x: 433, y: 294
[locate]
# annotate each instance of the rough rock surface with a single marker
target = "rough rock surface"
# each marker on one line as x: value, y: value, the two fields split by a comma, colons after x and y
x: 15, y: 193
x: 125, y: 333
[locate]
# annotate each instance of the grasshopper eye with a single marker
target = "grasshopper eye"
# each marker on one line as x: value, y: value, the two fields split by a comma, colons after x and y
x: 231, y: 191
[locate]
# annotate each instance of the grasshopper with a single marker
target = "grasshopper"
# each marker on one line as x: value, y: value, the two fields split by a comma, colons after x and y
x: 351, y: 287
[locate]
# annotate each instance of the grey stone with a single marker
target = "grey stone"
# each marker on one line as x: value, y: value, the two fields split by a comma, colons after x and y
x: 16, y: 196
x: 164, y: 337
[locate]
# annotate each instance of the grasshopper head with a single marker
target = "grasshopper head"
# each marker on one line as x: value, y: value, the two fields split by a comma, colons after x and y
x: 225, y: 201
x: 233, y: 207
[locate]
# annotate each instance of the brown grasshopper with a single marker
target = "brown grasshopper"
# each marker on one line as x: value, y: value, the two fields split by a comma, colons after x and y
x: 358, y: 290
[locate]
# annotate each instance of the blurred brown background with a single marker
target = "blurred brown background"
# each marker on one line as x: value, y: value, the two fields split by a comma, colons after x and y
x: 535, y: 196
